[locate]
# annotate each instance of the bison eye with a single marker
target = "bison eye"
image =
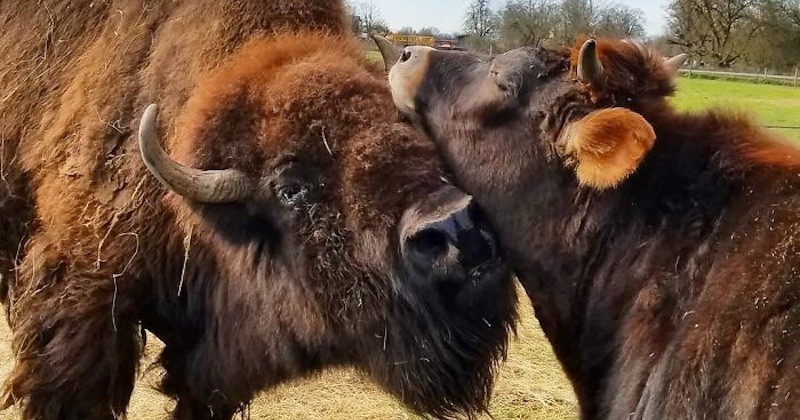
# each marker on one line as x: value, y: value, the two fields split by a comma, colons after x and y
x: 292, y: 194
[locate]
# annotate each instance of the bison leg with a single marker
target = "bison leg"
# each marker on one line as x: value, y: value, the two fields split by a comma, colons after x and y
x: 75, y: 339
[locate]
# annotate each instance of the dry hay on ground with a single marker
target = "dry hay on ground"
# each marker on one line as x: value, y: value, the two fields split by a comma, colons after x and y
x: 531, y: 386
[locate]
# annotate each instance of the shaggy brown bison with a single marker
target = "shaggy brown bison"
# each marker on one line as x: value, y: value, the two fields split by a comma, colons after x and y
x: 301, y: 227
x: 660, y: 249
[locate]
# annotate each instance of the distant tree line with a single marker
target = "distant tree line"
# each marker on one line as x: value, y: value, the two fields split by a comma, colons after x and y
x: 548, y: 22
x: 426, y: 30
x: 718, y: 33
x: 750, y: 34
x: 367, y: 18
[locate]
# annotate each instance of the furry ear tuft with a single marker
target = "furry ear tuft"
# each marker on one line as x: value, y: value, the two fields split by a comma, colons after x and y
x: 608, y: 145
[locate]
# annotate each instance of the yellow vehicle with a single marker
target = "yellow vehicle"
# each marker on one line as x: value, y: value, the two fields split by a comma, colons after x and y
x: 403, y: 39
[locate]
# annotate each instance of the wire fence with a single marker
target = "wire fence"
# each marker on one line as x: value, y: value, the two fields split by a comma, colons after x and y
x: 792, y: 80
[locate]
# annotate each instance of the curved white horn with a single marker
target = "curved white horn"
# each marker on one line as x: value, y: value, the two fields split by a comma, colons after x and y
x: 205, y: 186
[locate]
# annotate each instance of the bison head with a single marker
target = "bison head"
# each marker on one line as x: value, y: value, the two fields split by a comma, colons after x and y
x: 327, y: 234
x: 581, y: 107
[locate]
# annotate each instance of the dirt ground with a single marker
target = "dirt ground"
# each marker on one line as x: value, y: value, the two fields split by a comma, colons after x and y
x: 531, y: 386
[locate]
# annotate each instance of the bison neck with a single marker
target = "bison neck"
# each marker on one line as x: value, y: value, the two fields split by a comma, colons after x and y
x: 586, y: 258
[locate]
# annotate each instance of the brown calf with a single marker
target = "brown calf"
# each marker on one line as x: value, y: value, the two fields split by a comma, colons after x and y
x: 660, y: 249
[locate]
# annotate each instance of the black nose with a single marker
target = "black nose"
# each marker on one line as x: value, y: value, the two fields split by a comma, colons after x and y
x: 405, y: 56
x: 451, y: 240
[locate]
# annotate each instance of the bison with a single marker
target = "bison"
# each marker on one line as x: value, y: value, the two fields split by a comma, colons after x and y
x: 301, y: 226
x: 660, y: 249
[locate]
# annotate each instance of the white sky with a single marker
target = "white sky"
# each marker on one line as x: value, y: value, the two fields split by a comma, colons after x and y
x: 447, y: 15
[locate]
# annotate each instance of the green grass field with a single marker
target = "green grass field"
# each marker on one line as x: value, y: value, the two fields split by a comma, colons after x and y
x: 375, y: 57
x: 771, y: 105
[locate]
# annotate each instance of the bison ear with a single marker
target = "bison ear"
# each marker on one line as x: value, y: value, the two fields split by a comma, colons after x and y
x: 607, y: 146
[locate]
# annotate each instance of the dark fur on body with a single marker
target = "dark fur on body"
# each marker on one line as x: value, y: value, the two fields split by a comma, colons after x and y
x: 675, y: 295
x: 302, y: 276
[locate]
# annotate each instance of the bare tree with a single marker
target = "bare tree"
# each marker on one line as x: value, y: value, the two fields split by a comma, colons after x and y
x: 777, y: 42
x: 481, y: 26
x: 620, y: 21
x: 718, y: 29
x: 370, y: 18
x: 528, y: 22
x: 687, y: 29
x: 792, y: 10
x: 531, y: 22
x: 577, y: 19
x: 429, y: 31
x: 481, y: 20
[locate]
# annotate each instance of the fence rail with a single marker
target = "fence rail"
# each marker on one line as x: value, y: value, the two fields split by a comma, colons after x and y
x: 794, y: 80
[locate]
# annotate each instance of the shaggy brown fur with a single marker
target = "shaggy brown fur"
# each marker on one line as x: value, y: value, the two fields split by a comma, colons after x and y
x: 304, y: 275
x: 675, y: 295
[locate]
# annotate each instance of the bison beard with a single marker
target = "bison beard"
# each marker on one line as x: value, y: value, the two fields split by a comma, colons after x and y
x: 446, y: 370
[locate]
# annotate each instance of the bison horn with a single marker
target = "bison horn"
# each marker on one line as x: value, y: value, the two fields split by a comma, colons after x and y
x: 590, y: 69
x: 675, y: 63
x: 391, y: 54
x: 205, y: 186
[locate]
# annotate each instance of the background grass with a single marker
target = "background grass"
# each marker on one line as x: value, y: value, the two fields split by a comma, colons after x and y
x: 531, y: 385
x: 772, y: 105
x: 375, y: 57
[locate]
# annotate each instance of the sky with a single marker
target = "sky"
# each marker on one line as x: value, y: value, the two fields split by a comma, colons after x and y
x: 447, y: 15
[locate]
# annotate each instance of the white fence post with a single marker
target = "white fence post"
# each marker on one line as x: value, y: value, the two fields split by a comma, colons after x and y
x: 796, y: 70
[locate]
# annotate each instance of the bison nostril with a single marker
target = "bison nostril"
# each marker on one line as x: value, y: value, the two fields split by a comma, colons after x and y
x: 429, y: 243
x: 476, y: 248
x: 405, y: 56
x: 448, y: 243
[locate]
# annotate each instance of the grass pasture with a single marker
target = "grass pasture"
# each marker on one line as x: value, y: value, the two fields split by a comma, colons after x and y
x: 530, y: 386
x: 772, y: 105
